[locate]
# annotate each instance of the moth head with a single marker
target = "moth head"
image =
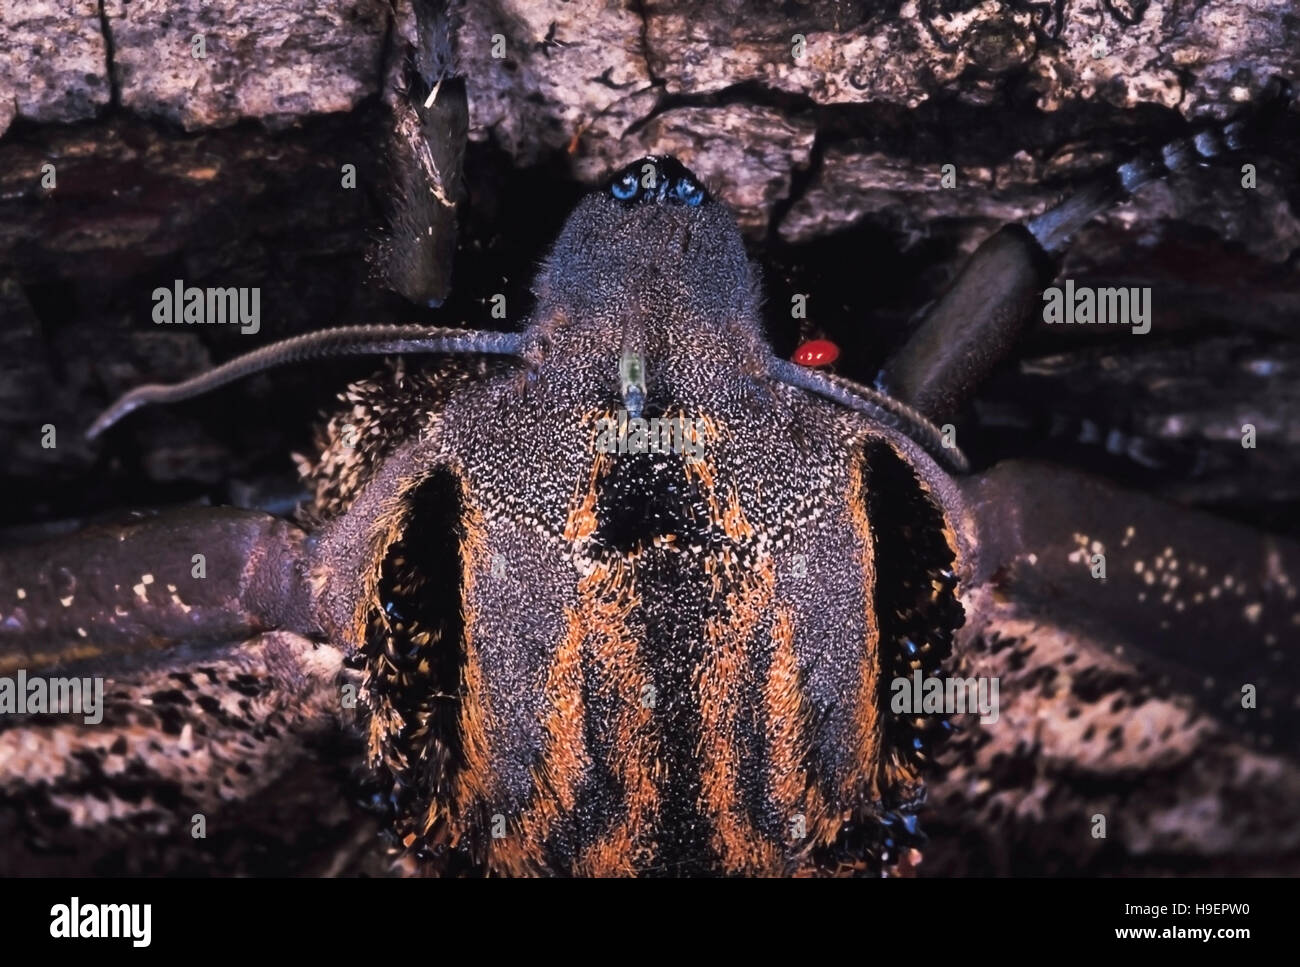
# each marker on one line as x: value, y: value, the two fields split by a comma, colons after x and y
x: 652, y: 231
x: 650, y: 273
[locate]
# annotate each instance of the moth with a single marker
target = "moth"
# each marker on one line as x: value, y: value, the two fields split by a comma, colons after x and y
x: 625, y: 593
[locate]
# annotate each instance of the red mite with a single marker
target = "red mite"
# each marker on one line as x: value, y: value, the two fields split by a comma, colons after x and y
x: 817, y: 352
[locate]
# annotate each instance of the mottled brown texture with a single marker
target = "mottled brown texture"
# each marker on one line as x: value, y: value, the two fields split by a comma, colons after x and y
x: 53, y: 61
x: 67, y: 62
x: 1083, y: 731
x: 597, y: 78
x: 245, y: 735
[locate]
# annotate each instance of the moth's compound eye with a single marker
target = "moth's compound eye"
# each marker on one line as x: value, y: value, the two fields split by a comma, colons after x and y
x: 689, y: 192
x: 626, y: 187
x: 658, y: 179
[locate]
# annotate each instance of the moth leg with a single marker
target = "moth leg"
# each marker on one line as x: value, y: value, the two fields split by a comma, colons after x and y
x: 1210, y: 604
x: 213, y: 574
x: 972, y: 327
x: 978, y: 319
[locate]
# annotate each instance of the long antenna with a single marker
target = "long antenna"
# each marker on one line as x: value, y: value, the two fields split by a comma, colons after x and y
x: 343, y: 341
x: 883, y: 409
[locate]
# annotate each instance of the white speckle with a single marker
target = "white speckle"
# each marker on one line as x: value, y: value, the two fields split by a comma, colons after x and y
x: 140, y: 593
x: 1137, y: 567
x: 1252, y: 612
x: 66, y: 602
x: 1273, y: 567
x: 146, y: 579
x: 171, y: 588
x: 82, y: 632
x: 21, y: 594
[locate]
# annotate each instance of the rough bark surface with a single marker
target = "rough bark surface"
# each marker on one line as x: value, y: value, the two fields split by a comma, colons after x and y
x: 69, y: 61
x: 592, y: 77
x: 770, y: 79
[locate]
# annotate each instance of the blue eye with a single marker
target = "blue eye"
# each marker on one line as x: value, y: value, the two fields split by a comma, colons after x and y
x: 689, y: 192
x: 625, y: 188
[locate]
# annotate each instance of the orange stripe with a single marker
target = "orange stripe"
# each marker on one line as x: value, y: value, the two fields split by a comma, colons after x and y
x: 582, y: 520
x: 565, y: 758
x: 729, y: 641
x: 475, y: 781
x: 789, y: 741
x: 598, y: 645
x: 608, y: 600
x: 862, y: 780
x: 786, y: 719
